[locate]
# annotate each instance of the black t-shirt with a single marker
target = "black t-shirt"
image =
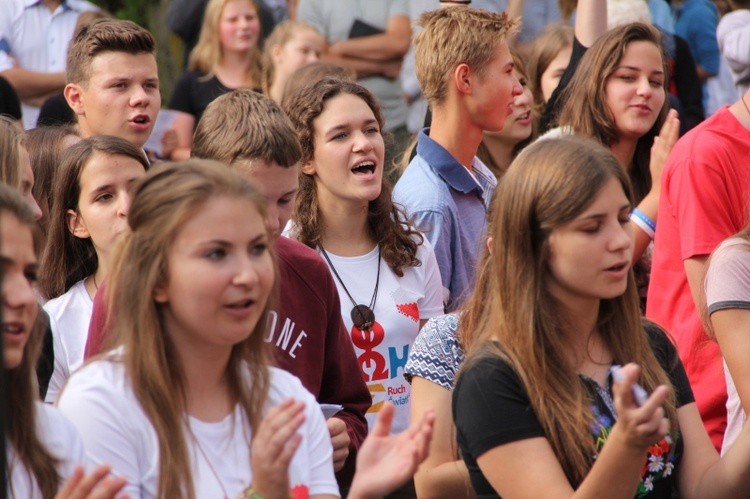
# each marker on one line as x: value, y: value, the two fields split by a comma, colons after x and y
x: 491, y: 408
x: 552, y: 108
x: 194, y: 92
x: 56, y: 111
x: 9, y: 103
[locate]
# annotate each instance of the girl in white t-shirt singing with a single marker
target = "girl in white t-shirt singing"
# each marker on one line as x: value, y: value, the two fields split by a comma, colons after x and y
x: 90, y: 202
x: 186, y: 405
x: 43, y: 448
x: 385, y: 271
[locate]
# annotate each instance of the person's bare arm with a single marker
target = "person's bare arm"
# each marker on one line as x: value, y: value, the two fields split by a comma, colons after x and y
x: 31, y: 84
x: 387, y: 46
x: 365, y: 67
x: 442, y: 474
x: 591, y: 21
x: 702, y: 473
x: 530, y: 468
x: 184, y: 126
x: 702, y: 73
x: 514, y: 10
x: 695, y: 270
x: 732, y: 330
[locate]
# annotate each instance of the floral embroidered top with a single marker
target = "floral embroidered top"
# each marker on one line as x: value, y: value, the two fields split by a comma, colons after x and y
x: 491, y: 408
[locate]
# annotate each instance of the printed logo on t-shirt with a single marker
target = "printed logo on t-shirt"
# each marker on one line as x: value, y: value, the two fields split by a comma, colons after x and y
x: 406, y: 304
x: 284, y: 335
x: 300, y: 492
x: 376, y: 368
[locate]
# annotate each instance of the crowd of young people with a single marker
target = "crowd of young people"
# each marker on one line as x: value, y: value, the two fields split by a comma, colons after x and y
x: 266, y: 319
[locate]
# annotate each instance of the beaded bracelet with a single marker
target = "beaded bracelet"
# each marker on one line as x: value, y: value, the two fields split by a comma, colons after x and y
x: 643, y: 221
x: 249, y: 493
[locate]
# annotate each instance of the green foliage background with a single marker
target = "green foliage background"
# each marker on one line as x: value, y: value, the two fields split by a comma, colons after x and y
x: 151, y: 14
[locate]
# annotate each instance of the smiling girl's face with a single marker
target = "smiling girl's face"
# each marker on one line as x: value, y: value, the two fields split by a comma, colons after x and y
x: 635, y: 90
x: 239, y: 26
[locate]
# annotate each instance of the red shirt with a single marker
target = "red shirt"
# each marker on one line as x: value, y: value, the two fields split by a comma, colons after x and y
x: 704, y: 199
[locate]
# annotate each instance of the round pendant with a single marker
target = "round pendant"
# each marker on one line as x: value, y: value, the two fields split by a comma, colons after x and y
x: 362, y: 317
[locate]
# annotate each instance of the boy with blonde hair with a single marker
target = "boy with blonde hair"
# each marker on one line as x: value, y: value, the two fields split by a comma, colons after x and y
x: 466, y: 74
x: 113, y: 81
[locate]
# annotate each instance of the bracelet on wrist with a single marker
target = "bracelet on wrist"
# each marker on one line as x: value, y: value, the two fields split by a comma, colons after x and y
x: 643, y: 222
x: 249, y: 493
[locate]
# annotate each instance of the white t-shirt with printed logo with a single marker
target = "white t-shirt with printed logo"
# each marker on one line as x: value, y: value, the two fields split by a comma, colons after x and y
x: 100, y: 402
x: 401, y: 303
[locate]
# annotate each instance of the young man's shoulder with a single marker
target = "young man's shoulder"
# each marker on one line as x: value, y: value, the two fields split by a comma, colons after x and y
x: 713, y: 142
x: 300, y: 263
x: 421, y: 188
x: 429, y: 166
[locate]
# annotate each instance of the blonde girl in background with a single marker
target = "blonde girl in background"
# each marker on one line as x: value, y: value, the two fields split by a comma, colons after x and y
x: 226, y: 57
x: 290, y: 46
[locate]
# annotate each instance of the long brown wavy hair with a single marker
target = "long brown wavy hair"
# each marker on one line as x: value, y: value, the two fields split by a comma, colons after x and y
x: 163, y: 201
x: 23, y: 392
x: 586, y: 111
x: 512, y: 314
x: 387, y: 221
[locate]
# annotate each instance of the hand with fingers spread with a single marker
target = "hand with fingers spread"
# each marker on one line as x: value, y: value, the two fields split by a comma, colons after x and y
x: 642, y: 426
x: 663, y: 143
x: 95, y: 485
x: 339, y: 440
x: 274, y: 446
x: 385, y: 461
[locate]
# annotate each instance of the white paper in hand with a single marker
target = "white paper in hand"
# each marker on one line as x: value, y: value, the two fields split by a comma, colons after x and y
x: 164, y: 121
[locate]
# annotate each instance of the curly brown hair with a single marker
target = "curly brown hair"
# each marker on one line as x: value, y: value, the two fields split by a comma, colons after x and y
x: 388, y: 223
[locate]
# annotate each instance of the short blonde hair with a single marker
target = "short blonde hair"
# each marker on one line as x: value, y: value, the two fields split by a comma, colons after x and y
x: 456, y: 36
